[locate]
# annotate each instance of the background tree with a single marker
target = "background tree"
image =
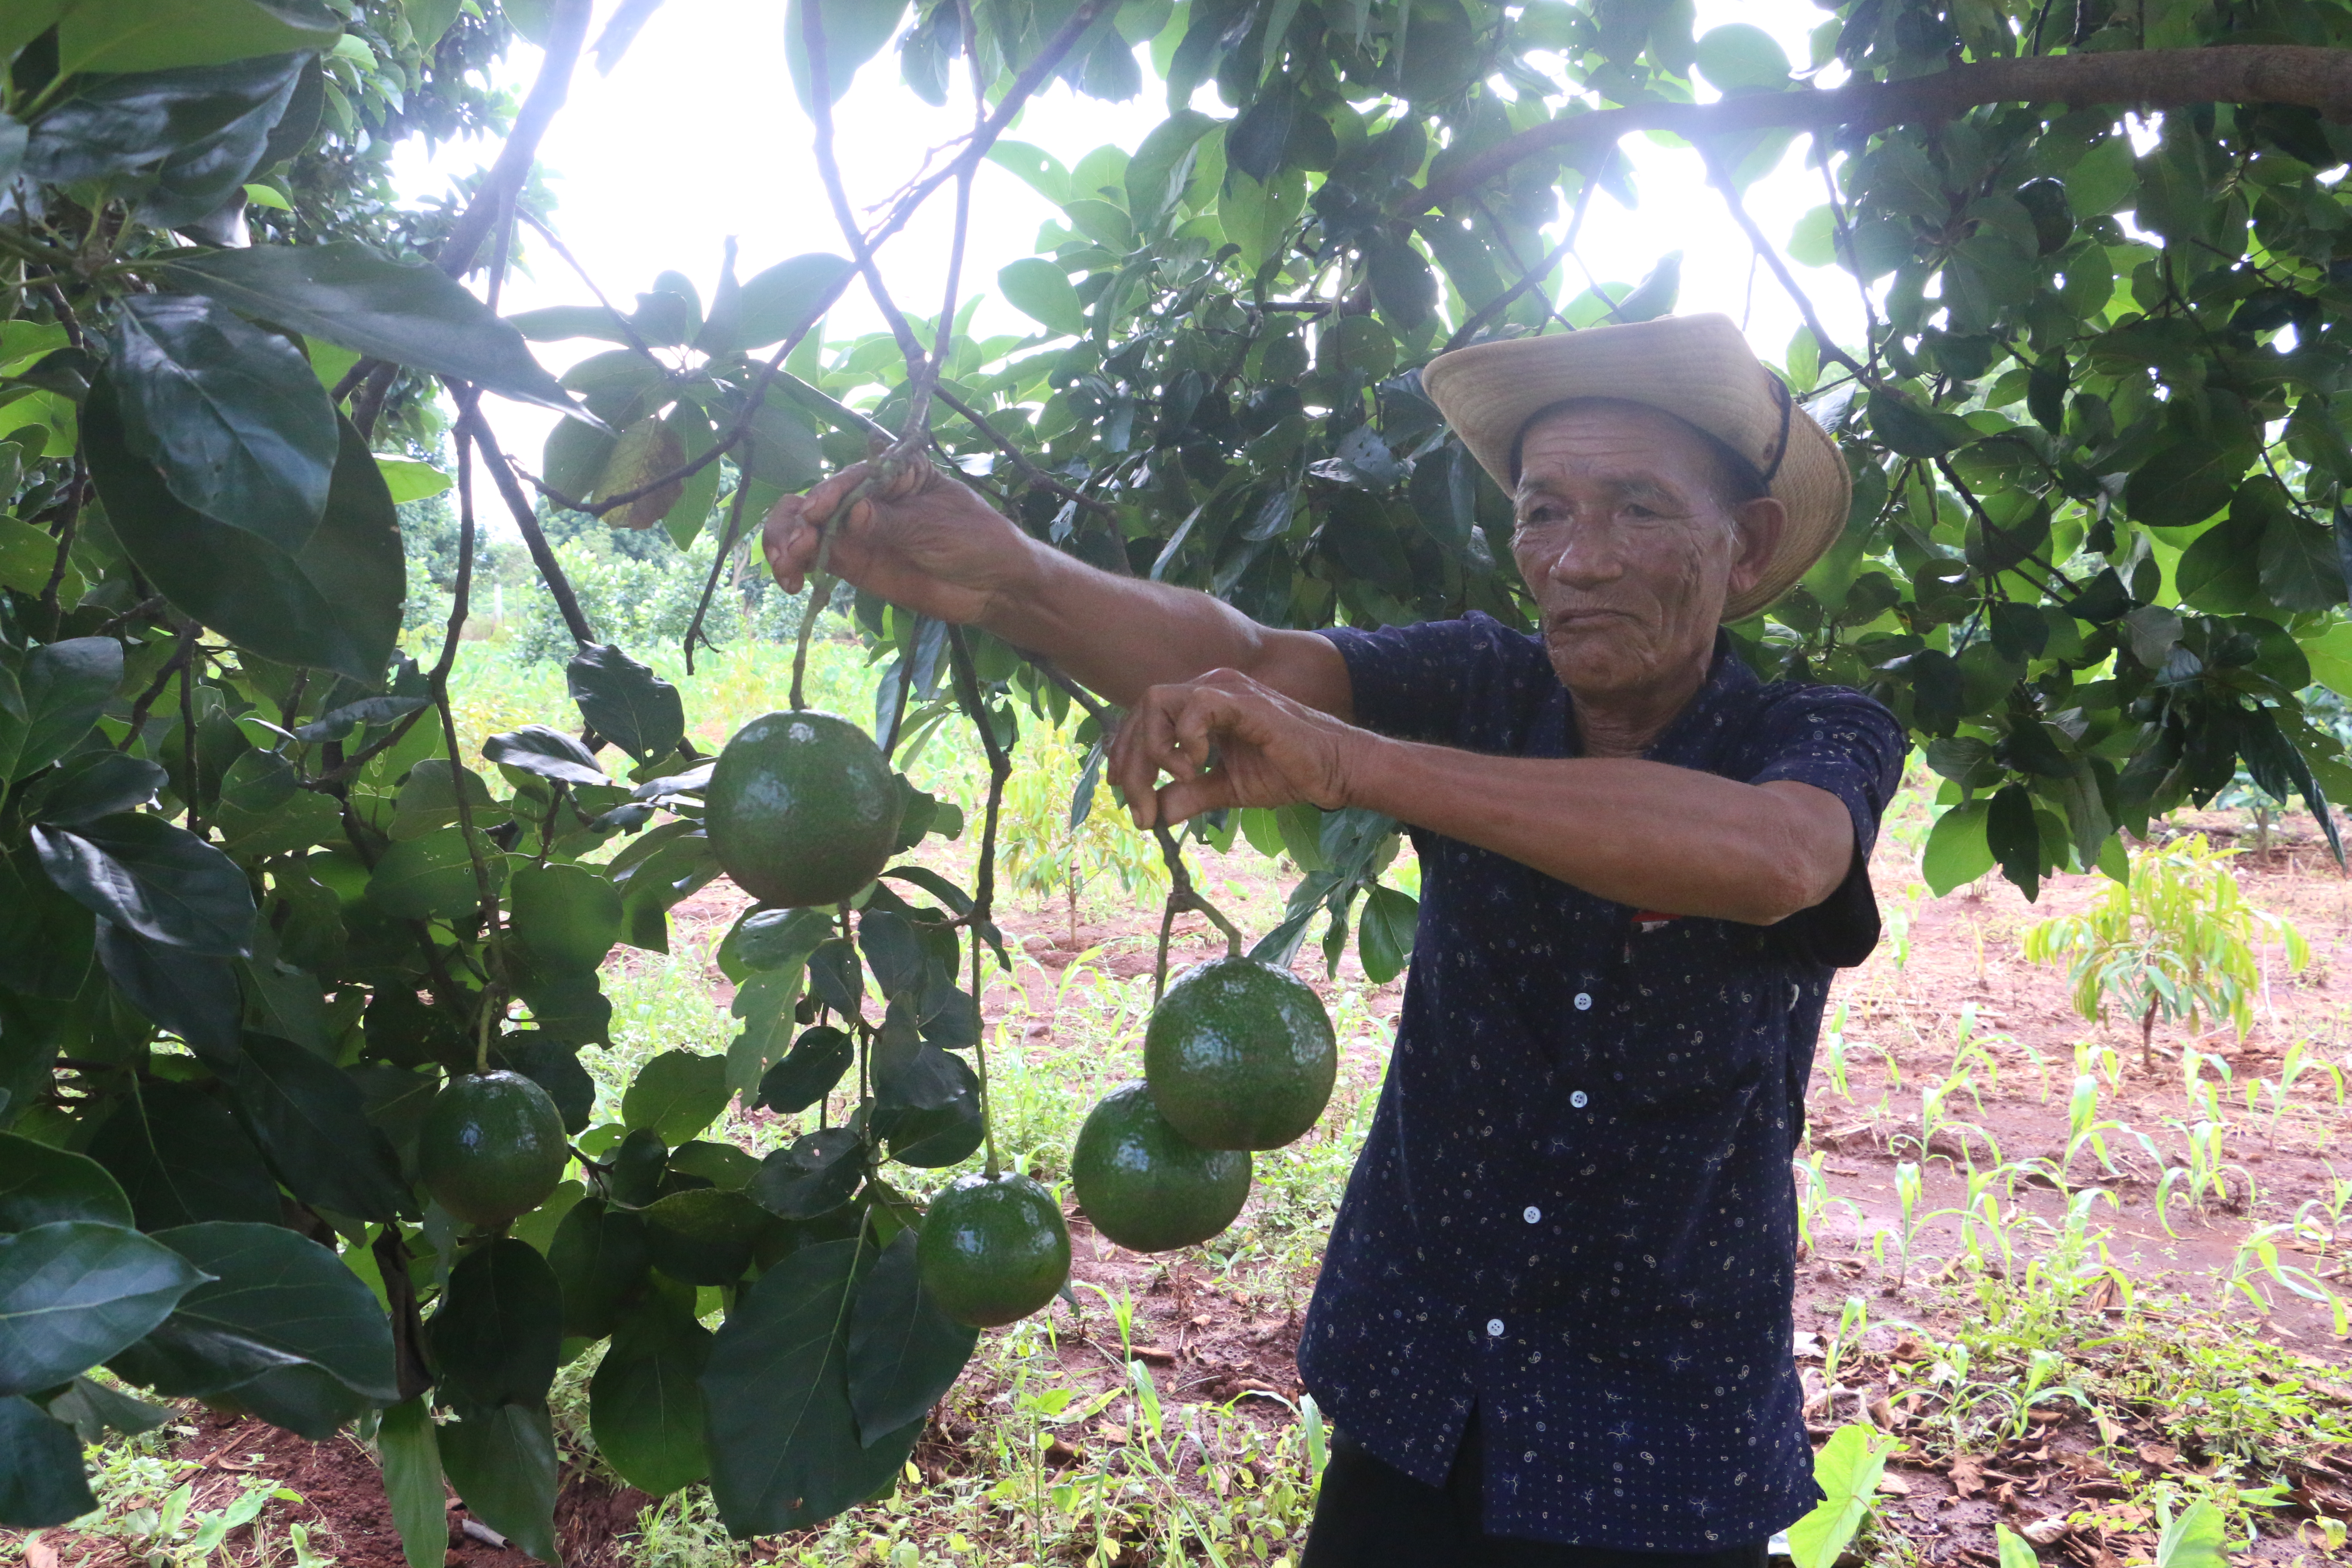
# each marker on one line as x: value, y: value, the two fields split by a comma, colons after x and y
x: 262, y: 909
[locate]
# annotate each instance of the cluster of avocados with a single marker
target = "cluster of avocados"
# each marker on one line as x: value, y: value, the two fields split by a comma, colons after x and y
x: 803, y: 809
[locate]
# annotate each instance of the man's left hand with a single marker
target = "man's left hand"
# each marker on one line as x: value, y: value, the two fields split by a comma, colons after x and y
x: 1225, y: 740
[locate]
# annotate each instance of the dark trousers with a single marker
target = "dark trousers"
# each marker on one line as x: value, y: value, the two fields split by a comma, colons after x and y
x: 1371, y: 1514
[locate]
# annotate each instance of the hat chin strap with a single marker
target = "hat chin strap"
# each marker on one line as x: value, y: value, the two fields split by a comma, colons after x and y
x: 1788, y: 407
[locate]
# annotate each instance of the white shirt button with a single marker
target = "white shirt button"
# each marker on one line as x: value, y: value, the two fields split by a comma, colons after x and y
x: 1584, y: 1001
x: 1531, y: 1214
x: 1578, y: 1100
x: 1495, y: 1328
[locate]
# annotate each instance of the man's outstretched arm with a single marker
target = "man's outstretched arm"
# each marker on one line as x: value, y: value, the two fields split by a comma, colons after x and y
x: 933, y: 545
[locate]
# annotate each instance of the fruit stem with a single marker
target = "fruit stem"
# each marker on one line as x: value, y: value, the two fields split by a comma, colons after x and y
x: 482, y: 1036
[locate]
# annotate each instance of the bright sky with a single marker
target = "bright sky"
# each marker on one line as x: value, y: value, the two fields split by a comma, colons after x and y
x: 697, y: 135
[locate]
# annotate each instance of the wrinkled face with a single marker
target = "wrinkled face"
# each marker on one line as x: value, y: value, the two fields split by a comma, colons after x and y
x: 1623, y: 533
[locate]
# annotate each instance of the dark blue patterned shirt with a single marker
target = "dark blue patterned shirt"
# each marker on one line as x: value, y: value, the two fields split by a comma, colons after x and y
x: 1574, y: 1211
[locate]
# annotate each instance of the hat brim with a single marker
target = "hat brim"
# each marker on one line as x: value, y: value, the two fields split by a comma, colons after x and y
x: 1696, y: 368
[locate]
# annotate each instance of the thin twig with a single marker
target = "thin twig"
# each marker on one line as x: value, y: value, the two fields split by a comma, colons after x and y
x: 984, y: 901
x: 1721, y: 179
x: 627, y: 327
x: 141, y: 708
x: 75, y: 488
x: 1182, y: 894
x: 1035, y: 476
x: 1034, y: 76
x: 718, y: 562
x: 1508, y: 297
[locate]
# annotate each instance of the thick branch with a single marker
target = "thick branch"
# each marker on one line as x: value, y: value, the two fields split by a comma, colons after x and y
x: 2309, y: 77
x: 568, y: 31
x: 510, y: 489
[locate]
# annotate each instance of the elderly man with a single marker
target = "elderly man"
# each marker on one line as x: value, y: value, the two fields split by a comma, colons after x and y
x: 1553, y: 1323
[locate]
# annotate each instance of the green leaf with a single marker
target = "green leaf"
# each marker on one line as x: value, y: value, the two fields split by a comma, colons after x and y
x: 2197, y: 1538
x: 1914, y: 432
x: 549, y: 754
x: 853, y: 32
x: 407, y: 481
x: 65, y: 687
x: 408, y: 313
x: 567, y: 916
x: 784, y: 1440
x: 193, y: 133
x: 904, y: 1352
x: 310, y: 1120
x: 1957, y: 852
x: 276, y: 1299
x: 431, y: 877
x: 405, y: 1442
x: 1041, y: 290
x: 2015, y: 1551
x: 45, y: 938
x: 159, y: 35
x: 335, y: 604
x: 185, y: 993
x: 627, y: 703
x: 786, y: 300
x: 2186, y: 481
x: 644, y: 1407
x: 41, y: 1185
x: 1384, y: 934
x: 677, y: 1095
x: 41, y: 1480
x: 599, y: 1257
x: 154, y: 878
x: 1847, y: 1469
x: 76, y: 1292
x: 809, y: 1071
x: 502, y: 1461
x: 93, y: 1410
x: 1257, y: 218
x: 499, y: 1329
x: 2014, y: 836
x: 703, y: 1236
x: 181, y: 1160
x: 229, y: 415
x: 1036, y: 167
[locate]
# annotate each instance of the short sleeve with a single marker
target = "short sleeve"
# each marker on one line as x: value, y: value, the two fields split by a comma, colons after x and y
x: 1839, y: 741
x: 1438, y: 681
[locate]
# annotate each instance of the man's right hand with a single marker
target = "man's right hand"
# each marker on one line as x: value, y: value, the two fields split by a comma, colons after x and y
x: 922, y: 541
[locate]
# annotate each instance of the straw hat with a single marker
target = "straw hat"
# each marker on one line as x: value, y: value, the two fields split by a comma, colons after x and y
x: 1697, y: 368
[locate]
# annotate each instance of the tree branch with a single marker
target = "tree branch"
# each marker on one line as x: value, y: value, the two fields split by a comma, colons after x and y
x: 1029, y: 471
x: 1720, y: 178
x: 1035, y: 75
x: 518, y: 504
x: 566, y: 33
x: 2306, y: 76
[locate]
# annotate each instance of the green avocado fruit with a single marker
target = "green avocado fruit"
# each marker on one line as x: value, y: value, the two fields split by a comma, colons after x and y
x: 1143, y: 1186
x: 1240, y: 1054
x: 491, y: 1147
x: 802, y: 809
x: 992, y: 1251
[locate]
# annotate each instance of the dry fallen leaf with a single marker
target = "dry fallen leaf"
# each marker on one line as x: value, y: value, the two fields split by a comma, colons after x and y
x: 1893, y: 1485
x: 2164, y: 1456
x: 2045, y: 1531
x: 40, y: 1553
x: 1968, y: 1476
